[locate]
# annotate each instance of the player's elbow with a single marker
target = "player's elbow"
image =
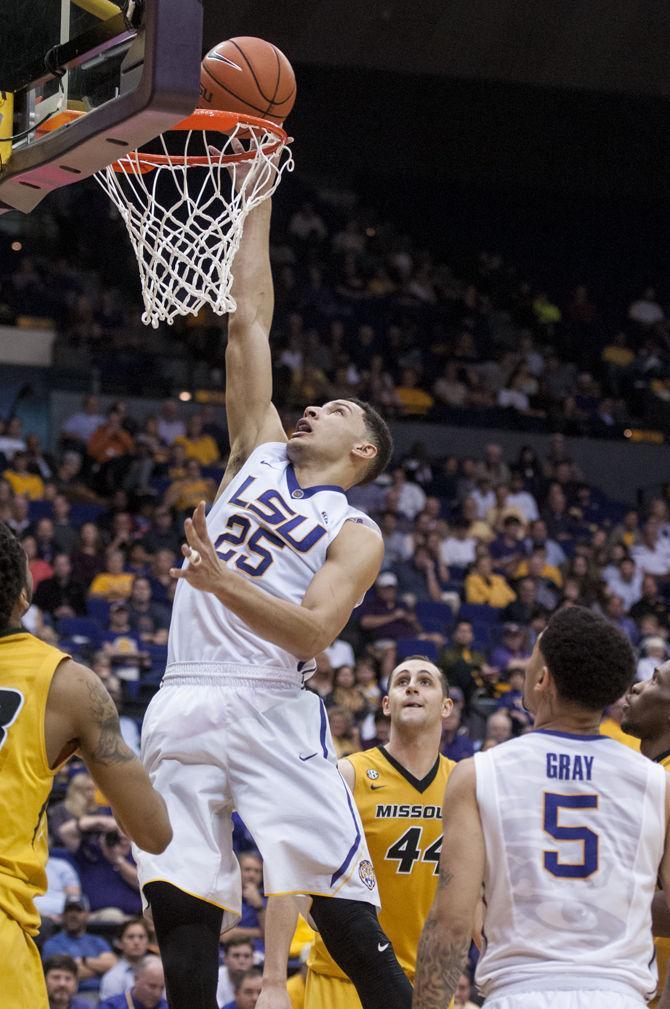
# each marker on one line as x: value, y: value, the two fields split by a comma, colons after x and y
x: 156, y: 840
x: 312, y: 640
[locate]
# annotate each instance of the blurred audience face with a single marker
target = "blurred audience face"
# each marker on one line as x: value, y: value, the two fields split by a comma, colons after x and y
x: 141, y: 593
x: 340, y: 721
x: 499, y: 727
x: 344, y: 677
x: 134, y: 941
x: 238, y: 957
x: 114, y: 561
x: 61, y: 986
x: 89, y: 535
x: 251, y: 868
x: 149, y: 983
x: 649, y: 586
x: 62, y: 566
x: 463, y: 634
x: 247, y: 994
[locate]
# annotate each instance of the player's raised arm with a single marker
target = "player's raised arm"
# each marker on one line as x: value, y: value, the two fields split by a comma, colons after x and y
x: 81, y: 715
x: 446, y: 936
x: 252, y: 418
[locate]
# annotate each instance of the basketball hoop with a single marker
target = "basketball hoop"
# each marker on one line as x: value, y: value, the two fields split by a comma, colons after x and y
x: 185, y: 209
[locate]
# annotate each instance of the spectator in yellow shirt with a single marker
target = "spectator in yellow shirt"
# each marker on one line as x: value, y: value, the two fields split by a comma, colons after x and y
x: 187, y: 492
x: 197, y: 444
x: 484, y: 587
x: 113, y: 583
x: 414, y: 402
x: 22, y: 481
x: 546, y: 570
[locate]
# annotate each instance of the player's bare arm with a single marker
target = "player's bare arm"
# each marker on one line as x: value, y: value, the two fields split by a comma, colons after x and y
x: 82, y: 716
x: 348, y: 772
x: 252, y: 417
x: 304, y: 630
x: 446, y: 936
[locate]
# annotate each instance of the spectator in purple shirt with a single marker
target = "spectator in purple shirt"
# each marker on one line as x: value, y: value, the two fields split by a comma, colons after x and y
x: 386, y: 619
x: 456, y: 742
x: 247, y: 990
x: 513, y: 647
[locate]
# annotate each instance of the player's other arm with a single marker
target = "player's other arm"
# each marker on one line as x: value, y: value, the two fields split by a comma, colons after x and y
x: 304, y: 629
x: 252, y: 417
x: 81, y: 715
x: 445, y: 939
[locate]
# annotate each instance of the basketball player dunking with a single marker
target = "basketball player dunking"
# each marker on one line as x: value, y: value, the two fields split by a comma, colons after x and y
x: 566, y: 830
x: 398, y: 790
x: 281, y: 561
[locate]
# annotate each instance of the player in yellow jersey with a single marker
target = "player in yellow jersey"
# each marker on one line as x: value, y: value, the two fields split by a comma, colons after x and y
x: 50, y: 707
x: 399, y: 790
x: 646, y: 715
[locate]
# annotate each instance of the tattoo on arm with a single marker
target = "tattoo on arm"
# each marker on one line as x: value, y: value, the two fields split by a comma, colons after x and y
x: 440, y: 961
x: 110, y: 748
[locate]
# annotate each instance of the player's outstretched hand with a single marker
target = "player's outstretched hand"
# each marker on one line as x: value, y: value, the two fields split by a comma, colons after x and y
x: 204, y: 570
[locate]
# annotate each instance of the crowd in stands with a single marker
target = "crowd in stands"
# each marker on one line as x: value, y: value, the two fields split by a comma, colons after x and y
x: 362, y: 309
x: 478, y: 554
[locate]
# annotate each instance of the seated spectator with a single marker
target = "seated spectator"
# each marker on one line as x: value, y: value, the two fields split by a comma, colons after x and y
x: 87, y: 556
x: 459, y: 548
x: 650, y: 603
x: 91, y: 953
x: 405, y: 497
x: 162, y: 583
x: 78, y: 814
x: 523, y: 608
x: 646, y: 311
x: 238, y: 957
x: 163, y: 534
x: 483, y: 587
x: 130, y: 729
x: 460, y: 650
x: 615, y: 612
x: 61, y: 976
x: 113, y: 583
x: 347, y: 694
x: 186, y: 493
x: 365, y: 673
x: 11, y: 437
x: 396, y: 547
x: 450, y: 390
x: 39, y: 462
x: 346, y: 739
x: 147, y: 990
x: 513, y: 648
x: 414, y: 401
x: 484, y: 497
x: 122, y: 643
x: 499, y: 727
x: 538, y: 564
x: 110, y: 447
x: 247, y: 990
x: 385, y: 619
x: 21, y: 480
x: 582, y: 571
x: 521, y: 499
x: 478, y: 529
x: 502, y: 509
x: 61, y: 595
x: 456, y: 743
x: 651, y: 556
x: 252, y: 921
x: 79, y: 427
x: 512, y: 701
x: 132, y: 944
x: 506, y: 549
x: 197, y: 444
x: 65, y: 535
x: 108, y: 877
x: 419, y: 577
x: 62, y: 884
x: 170, y: 425
x: 493, y: 465
x: 560, y: 524
x: 626, y: 582
x: 149, y: 620
x: 654, y: 652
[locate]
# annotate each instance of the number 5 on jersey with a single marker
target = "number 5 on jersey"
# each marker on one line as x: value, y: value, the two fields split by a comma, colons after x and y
x: 553, y: 804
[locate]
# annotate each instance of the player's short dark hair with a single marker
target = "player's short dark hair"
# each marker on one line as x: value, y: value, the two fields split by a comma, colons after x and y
x: 380, y: 436
x: 252, y: 972
x: 61, y: 962
x: 12, y: 573
x: 590, y: 659
x: 423, y: 658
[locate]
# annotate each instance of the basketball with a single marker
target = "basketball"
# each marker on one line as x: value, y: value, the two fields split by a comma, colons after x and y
x: 248, y: 75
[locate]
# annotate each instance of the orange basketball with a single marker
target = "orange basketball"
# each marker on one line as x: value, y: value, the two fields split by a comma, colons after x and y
x: 248, y: 75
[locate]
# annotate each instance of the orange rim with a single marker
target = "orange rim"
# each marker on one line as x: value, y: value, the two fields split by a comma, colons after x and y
x: 204, y: 119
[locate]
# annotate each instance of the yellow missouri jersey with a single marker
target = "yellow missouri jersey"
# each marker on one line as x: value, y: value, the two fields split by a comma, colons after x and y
x: 27, y: 666
x: 402, y: 819
x: 662, y: 945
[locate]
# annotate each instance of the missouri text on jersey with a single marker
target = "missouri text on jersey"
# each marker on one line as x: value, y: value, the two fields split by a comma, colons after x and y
x: 393, y: 811
x: 569, y: 766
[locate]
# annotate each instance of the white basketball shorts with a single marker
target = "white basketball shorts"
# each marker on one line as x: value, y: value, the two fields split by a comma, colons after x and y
x: 567, y: 999
x: 212, y: 745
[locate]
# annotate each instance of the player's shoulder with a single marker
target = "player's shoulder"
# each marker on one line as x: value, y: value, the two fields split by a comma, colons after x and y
x: 445, y: 766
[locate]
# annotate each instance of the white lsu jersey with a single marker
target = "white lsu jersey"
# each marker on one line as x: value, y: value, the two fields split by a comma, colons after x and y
x: 574, y: 830
x: 266, y: 528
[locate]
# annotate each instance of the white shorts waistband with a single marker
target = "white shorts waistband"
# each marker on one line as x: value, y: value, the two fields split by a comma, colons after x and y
x: 231, y: 674
x: 557, y: 982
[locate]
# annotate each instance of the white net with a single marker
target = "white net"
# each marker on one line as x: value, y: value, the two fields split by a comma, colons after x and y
x: 185, y: 216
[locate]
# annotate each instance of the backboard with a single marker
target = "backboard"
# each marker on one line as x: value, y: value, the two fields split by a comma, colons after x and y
x: 83, y: 82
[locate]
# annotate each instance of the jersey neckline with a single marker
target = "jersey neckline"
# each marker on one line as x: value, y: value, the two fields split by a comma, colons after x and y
x: 12, y: 630
x: 661, y: 757
x: 571, y: 735
x: 420, y: 785
x: 296, y: 491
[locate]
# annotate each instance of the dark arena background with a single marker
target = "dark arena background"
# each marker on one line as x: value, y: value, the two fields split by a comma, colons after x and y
x: 475, y: 239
